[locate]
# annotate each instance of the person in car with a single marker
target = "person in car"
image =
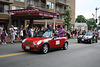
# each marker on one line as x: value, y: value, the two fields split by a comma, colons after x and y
x: 61, y: 32
x: 50, y: 29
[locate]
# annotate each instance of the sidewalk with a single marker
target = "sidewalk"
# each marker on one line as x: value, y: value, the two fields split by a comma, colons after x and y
x: 8, y: 40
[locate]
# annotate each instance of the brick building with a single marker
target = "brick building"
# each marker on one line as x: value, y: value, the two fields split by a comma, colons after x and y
x: 48, y: 5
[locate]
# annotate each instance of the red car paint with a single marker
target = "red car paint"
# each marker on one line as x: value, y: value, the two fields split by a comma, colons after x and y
x: 31, y: 43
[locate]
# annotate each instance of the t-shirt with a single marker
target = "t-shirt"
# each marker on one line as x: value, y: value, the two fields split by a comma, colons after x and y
x: 99, y: 32
x: 29, y: 32
x: 1, y: 29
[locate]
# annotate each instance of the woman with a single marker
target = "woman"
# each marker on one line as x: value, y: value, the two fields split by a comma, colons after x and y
x: 4, y: 36
x: 12, y: 34
x: 24, y: 33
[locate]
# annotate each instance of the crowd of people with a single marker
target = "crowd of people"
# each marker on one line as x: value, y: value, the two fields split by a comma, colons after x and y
x: 23, y: 32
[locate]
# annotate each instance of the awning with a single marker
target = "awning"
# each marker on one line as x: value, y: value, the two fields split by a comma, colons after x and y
x: 50, y: 23
x: 4, y: 21
x: 38, y: 23
x: 59, y: 24
x: 33, y: 13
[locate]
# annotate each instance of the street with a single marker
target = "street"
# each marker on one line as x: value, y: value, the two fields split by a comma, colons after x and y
x: 77, y: 55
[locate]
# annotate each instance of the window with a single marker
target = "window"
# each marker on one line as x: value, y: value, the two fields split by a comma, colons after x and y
x: 4, y: 8
x: 60, y: 17
x: 1, y: 8
x: 50, y: 5
x: 16, y: 7
x: 20, y: 0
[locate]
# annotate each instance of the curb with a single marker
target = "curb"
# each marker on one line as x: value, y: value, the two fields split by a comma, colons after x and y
x: 14, y: 42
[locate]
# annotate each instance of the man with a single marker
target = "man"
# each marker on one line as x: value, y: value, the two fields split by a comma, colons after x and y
x: 50, y: 29
x: 61, y: 32
x: 29, y: 32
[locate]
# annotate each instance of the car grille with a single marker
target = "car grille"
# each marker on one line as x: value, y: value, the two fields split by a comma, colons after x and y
x: 28, y: 43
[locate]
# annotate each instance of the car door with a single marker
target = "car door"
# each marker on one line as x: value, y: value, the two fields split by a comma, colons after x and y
x: 55, y: 42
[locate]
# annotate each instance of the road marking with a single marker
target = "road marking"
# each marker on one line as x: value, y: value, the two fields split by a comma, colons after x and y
x: 14, y: 54
x: 75, y: 44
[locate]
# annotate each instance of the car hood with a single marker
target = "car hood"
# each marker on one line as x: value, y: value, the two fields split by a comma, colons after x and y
x: 35, y: 39
x: 87, y: 36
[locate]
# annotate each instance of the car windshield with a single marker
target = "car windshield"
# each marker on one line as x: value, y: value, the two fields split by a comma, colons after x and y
x: 47, y: 34
x: 88, y: 33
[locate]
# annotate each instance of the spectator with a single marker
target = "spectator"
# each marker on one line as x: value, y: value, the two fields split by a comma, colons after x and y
x: 32, y: 31
x: 12, y: 34
x: 61, y: 31
x: 24, y: 33
x: 99, y: 33
x: 29, y: 32
x: 1, y: 29
x: 4, y: 36
x: 21, y: 34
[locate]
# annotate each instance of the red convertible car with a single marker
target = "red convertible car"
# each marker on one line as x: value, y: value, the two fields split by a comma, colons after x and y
x: 44, y: 43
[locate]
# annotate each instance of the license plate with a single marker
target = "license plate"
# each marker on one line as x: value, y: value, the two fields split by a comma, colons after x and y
x: 82, y: 39
x: 27, y: 47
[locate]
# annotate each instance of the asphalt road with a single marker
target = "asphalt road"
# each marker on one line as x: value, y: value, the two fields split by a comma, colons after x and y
x: 78, y: 55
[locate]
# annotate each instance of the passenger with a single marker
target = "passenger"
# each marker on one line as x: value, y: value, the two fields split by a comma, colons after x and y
x: 61, y: 32
x: 51, y: 30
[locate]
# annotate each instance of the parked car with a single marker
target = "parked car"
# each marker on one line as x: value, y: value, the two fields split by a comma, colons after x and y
x: 88, y: 37
x: 44, y: 43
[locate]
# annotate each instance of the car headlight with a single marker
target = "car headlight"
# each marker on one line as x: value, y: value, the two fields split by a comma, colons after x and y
x: 24, y: 40
x: 39, y: 42
x: 89, y: 37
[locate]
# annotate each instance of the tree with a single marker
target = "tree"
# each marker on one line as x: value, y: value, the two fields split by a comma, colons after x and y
x: 91, y: 23
x: 67, y: 17
x: 80, y: 19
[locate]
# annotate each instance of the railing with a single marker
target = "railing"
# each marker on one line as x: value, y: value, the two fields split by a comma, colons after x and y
x: 63, y: 2
x: 60, y: 10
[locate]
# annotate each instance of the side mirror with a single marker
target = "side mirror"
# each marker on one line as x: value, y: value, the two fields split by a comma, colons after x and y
x: 54, y: 37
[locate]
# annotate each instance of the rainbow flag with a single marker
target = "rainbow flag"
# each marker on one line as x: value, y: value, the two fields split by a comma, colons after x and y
x: 27, y: 25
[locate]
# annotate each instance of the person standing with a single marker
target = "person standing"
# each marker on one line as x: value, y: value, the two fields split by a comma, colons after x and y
x: 4, y: 36
x: 61, y: 32
x: 12, y: 34
x: 21, y: 34
x: 99, y: 33
x: 24, y: 33
x: 29, y: 32
x: 32, y: 31
x: 1, y: 29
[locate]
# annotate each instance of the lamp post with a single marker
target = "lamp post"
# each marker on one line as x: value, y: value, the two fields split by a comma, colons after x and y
x: 96, y: 13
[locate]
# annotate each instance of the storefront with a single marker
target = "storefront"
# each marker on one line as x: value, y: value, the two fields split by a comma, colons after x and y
x: 31, y: 14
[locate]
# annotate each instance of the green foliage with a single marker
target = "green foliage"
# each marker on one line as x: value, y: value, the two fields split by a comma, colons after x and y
x: 67, y: 17
x: 90, y: 22
x: 80, y: 19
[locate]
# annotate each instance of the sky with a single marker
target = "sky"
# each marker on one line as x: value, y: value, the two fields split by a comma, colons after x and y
x: 87, y: 7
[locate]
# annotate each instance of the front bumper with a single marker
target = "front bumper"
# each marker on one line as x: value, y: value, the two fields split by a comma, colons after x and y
x: 86, y: 40
x: 31, y: 47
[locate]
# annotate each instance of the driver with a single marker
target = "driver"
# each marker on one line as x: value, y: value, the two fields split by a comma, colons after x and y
x: 50, y: 29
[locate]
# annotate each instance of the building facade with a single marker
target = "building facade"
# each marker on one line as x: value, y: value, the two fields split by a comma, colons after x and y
x: 58, y: 6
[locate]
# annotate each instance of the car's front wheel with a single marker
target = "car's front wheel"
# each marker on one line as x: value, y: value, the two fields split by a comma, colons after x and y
x: 65, y: 46
x: 45, y: 49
